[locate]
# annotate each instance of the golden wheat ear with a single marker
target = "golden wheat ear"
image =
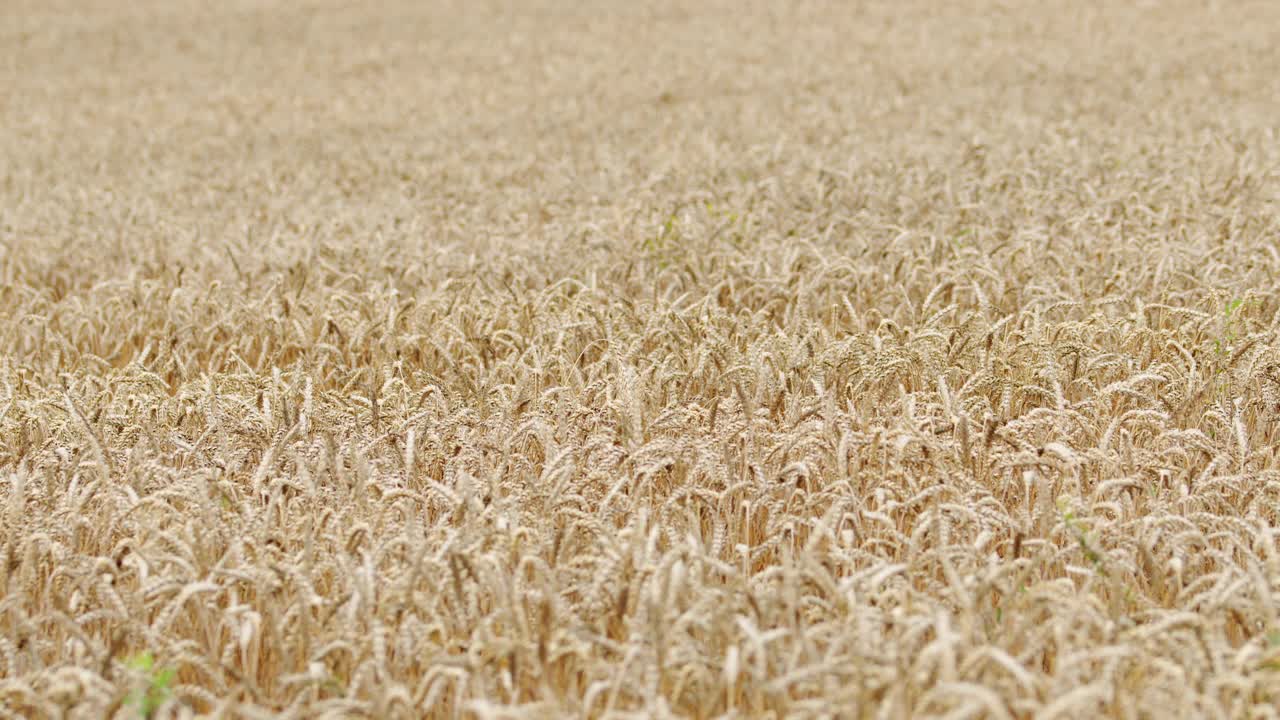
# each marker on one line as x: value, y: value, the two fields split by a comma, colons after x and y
x: 639, y: 360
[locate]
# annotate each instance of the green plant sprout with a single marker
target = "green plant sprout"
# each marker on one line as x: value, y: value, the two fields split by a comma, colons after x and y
x: 159, y: 683
x: 1081, y: 533
x: 1228, y: 339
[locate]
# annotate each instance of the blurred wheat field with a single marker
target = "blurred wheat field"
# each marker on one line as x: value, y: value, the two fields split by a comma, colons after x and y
x: 480, y: 360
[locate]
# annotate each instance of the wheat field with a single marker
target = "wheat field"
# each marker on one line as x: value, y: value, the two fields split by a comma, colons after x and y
x: 676, y: 359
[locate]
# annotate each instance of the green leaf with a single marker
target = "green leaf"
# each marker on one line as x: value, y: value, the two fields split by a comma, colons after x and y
x: 141, y: 662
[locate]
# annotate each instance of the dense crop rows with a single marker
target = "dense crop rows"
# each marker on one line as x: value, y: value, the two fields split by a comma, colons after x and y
x: 874, y: 360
